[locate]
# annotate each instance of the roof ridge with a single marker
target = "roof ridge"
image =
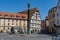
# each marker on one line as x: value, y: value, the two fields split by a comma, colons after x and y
x: 36, y: 9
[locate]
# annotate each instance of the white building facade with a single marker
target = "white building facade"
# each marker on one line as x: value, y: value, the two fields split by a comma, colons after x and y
x: 35, y: 22
x: 16, y: 21
x: 57, y: 17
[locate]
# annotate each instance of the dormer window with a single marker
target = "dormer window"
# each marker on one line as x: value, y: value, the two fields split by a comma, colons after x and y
x: 0, y: 15
x: 5, y: 16
x: 23, y: 17
x: 18, y: 17
x: 12, y: 16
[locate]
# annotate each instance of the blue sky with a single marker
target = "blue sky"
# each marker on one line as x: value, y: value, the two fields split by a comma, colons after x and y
x: 21, y: 5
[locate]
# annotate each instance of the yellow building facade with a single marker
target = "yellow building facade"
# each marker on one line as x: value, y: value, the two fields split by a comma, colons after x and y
x: 51, y: 15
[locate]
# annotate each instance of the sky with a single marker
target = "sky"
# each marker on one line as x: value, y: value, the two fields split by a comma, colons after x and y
x: 15, y: 6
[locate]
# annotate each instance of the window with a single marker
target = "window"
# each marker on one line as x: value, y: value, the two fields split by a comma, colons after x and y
x: 57, y: 14
x: 5, y: 15
x: 59, y: 7
x: 53, y: 15
x: 50, y: 11
x: 32, y: 21
x: 12, y: 16
x: 18, y: 16
x: 33, y: 17
x: 23, y: 17
x: 57, y: 21
x: 8, y: 20
x: 0, y: 15
x: 12, y: 20
x: 12, y: 23
x: 16, y: 20
x: 53, y: 10
x: 35, y: 24
x: 8, y: 23
x: 32, y: 24
x: 24, y: 24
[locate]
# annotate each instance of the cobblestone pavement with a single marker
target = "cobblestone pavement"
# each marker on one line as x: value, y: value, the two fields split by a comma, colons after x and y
x: 5, y: 36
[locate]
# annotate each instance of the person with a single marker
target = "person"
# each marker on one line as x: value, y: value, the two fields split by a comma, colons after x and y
x: 12, y: 30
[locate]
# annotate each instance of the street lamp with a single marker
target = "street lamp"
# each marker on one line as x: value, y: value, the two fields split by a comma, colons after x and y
x: 28, y: 19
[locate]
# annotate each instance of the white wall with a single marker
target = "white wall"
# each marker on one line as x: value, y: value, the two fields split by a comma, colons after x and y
x: 35, y: 21
x: 4, y: 22
x: 57, y: 18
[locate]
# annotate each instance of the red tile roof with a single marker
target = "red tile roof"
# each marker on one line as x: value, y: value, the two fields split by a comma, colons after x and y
x: 23, y: 13
x: 13, y: 14
x: 31, y: 11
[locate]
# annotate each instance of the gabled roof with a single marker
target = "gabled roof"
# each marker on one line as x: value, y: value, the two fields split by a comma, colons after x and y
x: 31, y: 11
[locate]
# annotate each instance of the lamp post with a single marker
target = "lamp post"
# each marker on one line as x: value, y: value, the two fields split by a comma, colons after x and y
x: 28, y: 20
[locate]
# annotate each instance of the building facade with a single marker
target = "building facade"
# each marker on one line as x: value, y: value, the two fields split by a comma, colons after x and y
x: 47, y: 21
x: 51, y: 15
x: 45, y: 25
x: 19, y: 20
x: 35, y: 19
x: 8, y: 20
x: 57, y: 17
x: 35, y: 23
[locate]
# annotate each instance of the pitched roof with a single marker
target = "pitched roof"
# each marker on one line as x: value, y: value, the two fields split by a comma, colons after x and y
x: 31, y: 11
x: 13, y: 14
